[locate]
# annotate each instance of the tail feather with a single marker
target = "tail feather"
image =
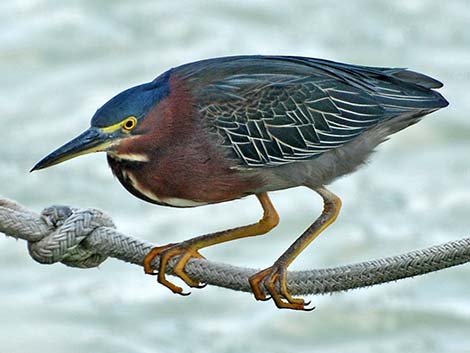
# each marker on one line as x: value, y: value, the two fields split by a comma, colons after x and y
x: 417, y: 78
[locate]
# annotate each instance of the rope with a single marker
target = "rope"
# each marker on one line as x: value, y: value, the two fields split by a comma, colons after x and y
x: 87, y: 237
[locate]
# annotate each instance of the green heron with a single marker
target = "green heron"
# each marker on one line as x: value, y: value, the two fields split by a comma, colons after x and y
x: 221, y: 129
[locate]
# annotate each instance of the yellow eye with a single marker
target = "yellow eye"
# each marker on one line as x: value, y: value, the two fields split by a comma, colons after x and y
x: 130, y: 123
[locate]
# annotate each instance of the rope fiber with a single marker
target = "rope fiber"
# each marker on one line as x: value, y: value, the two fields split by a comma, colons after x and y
x: 86, y: 237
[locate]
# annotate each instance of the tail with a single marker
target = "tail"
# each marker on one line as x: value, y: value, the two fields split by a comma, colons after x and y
x: 418, y: 97
x: 406, y: 96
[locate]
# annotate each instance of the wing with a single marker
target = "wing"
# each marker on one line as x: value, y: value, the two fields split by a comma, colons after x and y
x: 272, y: 111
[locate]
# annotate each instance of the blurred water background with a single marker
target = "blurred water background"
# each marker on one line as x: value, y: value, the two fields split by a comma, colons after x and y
x: 60, y: 60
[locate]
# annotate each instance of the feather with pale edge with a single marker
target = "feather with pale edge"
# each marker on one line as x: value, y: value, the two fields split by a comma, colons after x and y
x: 273, y: 110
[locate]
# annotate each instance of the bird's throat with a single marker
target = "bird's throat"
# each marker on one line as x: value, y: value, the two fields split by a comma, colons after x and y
x: 129, y: 157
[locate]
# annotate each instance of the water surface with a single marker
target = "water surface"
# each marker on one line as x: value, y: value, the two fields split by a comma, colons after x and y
x: 60, y: 60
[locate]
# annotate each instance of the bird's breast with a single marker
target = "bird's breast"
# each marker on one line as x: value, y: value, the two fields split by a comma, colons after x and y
x: 146, y: 193
x: 128, y: 171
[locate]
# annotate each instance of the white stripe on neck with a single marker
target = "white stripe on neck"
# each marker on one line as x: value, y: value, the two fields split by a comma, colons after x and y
x: 133, y: 157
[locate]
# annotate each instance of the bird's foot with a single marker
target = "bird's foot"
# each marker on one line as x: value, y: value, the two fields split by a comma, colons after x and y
x: 166, y: 253
x: 274, y: 279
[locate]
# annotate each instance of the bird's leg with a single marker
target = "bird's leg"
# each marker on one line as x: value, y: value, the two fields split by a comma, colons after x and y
x: 189, y: 249
x: 275, y: 277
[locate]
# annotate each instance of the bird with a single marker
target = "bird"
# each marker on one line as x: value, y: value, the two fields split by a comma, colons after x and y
x: 225, y: 128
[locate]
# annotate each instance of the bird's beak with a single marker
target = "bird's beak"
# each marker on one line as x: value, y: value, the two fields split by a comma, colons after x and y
x: 92, y: 140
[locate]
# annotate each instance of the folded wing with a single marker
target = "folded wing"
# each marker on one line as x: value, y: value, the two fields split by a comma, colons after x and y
x: 275, y: 110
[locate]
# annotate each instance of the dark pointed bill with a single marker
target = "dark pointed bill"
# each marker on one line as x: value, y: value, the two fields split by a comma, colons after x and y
x: 92, y: 140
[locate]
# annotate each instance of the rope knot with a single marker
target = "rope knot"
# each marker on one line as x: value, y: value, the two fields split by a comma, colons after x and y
x: 69, y: 227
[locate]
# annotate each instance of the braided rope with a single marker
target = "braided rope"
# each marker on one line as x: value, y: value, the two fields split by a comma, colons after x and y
x: 86, y: 237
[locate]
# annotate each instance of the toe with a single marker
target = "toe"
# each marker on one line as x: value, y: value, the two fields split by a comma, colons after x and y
x: 179, y: 269
x: 166, y: 253
x: 275, y: 281
x: 255, y: 282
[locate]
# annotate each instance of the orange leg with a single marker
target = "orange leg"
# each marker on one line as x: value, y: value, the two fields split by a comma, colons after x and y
x: 189, y: 249
x: 275, y: 277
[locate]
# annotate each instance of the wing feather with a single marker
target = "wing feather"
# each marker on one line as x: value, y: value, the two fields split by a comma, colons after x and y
x: 275, y: 110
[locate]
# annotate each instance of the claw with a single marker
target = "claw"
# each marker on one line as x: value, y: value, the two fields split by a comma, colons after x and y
x: 275, y: 277
x: 266, y: 299
x: 200, y: 286
x: 308, y: 309
x: 166, y: 253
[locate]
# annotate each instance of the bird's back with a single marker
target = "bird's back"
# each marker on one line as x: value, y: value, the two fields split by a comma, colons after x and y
x: 275, y: 110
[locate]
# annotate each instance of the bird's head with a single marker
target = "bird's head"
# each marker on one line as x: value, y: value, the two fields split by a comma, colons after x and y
x: 117, y: 122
